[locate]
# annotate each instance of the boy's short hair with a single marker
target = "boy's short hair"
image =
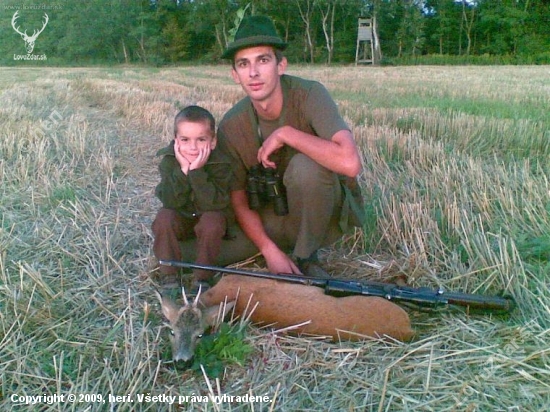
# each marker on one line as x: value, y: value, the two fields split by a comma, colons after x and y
x: 195, y: 114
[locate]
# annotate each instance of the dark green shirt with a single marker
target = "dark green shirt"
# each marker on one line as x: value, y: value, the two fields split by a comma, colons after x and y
x: 307, y: 107
x: 201, y: 190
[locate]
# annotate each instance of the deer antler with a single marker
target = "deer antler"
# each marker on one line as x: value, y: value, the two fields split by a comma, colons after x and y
x: 35, y: 32
x: 184, y: 295
x: 47, y: 19
x: 13, y: 19
x: 196, y: 301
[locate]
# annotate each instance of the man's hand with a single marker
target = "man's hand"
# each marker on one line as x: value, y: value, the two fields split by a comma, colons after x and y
x: 270, y: 145
x: 251, y: 224
x: 279, y: 262
x: 339, y: 154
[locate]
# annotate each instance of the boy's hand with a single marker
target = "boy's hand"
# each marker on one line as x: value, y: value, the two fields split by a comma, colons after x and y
x: 201, y: 159
x: 182, y: 160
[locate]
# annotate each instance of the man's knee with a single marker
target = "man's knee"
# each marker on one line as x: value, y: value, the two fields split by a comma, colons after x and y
x: 305, y: 174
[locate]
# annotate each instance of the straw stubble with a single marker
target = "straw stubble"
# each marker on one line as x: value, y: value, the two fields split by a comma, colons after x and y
x: 456, y: 183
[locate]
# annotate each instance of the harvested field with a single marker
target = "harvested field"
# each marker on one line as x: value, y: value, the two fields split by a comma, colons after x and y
x: 457, y: 185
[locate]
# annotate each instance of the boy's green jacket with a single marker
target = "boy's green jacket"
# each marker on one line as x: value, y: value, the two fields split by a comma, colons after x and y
x: 202, y: 190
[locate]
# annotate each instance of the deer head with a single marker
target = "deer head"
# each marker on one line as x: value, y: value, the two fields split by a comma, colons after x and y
x: 188, y: 323
x: 29, y: 40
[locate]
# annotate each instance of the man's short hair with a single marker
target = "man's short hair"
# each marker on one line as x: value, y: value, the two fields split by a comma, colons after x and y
x: 278, y: 56
x: 195, y: 114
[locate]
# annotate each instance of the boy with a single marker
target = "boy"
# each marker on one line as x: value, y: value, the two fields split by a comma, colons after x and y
x: 194, y: 191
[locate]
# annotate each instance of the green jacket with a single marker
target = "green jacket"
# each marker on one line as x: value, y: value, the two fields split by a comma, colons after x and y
x: 202, y: 190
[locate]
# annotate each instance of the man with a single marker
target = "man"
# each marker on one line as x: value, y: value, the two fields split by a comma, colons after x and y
x: 291, y: 125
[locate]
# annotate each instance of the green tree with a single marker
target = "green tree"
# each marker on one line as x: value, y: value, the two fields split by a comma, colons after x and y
x: 162, y: 31
x: 510, y: 26
x: 441, y: 34
x: 306, y: 8
x: 210, y: 22
x: 175, y: 40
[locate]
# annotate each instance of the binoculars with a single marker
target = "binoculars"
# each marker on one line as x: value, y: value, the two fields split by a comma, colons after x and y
x: 264, y: 186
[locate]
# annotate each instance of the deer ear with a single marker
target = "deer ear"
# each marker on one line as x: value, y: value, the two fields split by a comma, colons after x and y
x: 169, y: 308
x: 213, y: 313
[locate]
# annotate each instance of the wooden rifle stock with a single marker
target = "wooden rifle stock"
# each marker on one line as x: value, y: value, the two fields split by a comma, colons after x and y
x: 423, y: 297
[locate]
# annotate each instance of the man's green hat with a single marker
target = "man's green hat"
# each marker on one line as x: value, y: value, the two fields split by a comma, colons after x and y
x: 254, y: 31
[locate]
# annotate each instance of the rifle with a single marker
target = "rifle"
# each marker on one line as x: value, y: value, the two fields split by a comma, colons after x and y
x: 422, y: 297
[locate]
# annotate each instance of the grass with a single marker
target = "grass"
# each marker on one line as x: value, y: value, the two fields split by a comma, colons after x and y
x: 225, y: 346
x: 456, y: 179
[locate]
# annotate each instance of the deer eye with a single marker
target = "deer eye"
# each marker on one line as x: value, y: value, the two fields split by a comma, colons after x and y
x: 199, y: 336
x: 172, y: 332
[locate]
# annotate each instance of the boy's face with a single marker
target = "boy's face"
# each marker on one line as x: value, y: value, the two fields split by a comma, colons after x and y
x: 192, y: 137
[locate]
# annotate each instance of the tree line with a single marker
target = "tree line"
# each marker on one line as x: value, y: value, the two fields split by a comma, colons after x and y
x: 161, y: 32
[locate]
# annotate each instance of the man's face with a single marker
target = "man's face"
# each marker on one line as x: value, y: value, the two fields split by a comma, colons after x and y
x: 192, y: 137
x: 257, y: 71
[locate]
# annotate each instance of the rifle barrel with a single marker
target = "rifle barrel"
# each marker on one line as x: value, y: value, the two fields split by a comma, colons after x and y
x: 339, y: 288
x: 481, y: 302
x: 287, y: 277
x: 433, y: 298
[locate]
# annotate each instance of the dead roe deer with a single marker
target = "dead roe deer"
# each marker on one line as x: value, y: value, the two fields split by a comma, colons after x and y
x: 188, y: 322
x: 283, y: 305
